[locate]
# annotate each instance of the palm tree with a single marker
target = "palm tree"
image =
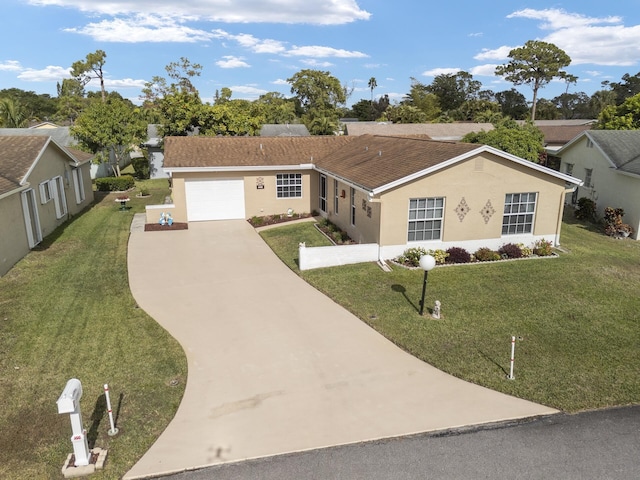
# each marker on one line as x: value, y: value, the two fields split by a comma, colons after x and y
x: 12, y: 115
x: 372, y: 85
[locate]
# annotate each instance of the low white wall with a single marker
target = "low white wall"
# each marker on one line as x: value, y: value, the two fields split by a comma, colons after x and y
x: 154, y: 211
x: 318, y: 257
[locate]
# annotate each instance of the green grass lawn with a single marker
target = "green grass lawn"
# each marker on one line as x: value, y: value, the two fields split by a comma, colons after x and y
x: 66, y: 311
x: 578, y: 316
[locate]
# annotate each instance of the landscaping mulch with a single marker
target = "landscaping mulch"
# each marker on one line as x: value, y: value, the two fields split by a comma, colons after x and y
x: 156, y: 227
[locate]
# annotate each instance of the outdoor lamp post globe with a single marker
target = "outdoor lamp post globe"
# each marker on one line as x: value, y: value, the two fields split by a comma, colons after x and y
x: 427, y: 262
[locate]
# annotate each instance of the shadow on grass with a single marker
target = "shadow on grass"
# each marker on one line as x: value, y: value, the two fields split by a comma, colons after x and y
x: 500, y: 367
x: 96, y: 417
x: 400, y: 289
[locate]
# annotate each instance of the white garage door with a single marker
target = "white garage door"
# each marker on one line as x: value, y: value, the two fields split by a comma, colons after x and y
x: 215, y: 199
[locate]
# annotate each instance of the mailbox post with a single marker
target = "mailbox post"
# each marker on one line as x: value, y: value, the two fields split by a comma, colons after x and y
x: 69, y: 402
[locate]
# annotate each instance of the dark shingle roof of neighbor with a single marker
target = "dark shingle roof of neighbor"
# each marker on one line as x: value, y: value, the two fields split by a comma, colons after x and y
x: 61, y: 135
x: 284, y: 130
x: 17, y: 154
x: 622, y: 147
x: 561, y: 134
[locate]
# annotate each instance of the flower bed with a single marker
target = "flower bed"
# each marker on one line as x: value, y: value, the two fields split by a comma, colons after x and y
x: 265, y: 220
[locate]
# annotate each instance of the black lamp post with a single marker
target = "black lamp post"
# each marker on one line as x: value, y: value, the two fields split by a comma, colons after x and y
x: 427, y: 262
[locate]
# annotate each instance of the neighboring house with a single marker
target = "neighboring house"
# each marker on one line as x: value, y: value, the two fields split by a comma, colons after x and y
x: 396, y: 192
x: 557, y: 136
x: 44, y: 125
x: 435, y: 131
x: 155, y: 153
x: 284, y: 130
x: 42, y: 185
x: 608, y: 161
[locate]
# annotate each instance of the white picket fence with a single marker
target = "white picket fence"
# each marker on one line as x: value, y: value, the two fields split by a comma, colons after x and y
x: 318, y: 257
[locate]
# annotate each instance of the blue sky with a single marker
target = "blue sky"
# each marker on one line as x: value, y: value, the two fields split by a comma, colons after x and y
x: 253, y: 46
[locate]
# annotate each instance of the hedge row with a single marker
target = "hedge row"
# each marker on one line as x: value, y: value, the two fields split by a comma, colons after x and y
x: 115, y: 184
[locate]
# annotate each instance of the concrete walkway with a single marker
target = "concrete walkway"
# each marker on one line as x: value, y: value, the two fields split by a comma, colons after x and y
x: 275, y: 366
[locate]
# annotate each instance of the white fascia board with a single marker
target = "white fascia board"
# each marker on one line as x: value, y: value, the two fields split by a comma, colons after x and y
x: 346, y: 181
x: 472, y: 153
x: 269, y: 168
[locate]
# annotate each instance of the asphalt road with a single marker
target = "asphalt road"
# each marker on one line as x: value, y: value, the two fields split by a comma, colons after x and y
x: 603, y: 444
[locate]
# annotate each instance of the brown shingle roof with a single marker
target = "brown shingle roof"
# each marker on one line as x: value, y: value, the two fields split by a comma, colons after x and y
x: 17, y: 154
x: 185, y: 152
x: 561, y: 134
x: 436, y: 131
x: 372, y: 161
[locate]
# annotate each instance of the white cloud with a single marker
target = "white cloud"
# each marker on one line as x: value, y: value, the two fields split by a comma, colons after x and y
x: 10, y: 66
x: 47, y: 74
x: 252, y: 43
x: 434, y: 72
x: 328, y: 12
x: 588, y: 40
x: 310, y: 62
x: 124, y: 83
x: 280, y: 81
x: 248, y: 91
x: 487, y: 70
x: 232, y: 62
x: 324, y: 52
x: 142, y: 28
x: 500, y: 53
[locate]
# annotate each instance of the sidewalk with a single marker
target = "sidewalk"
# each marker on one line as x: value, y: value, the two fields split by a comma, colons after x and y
x: 275, y: 366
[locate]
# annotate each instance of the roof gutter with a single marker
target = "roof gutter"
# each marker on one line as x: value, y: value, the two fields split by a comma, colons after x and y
x: 251, y: 168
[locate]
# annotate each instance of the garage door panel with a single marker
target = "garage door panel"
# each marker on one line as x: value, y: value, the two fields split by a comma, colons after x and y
x: 219, y: 199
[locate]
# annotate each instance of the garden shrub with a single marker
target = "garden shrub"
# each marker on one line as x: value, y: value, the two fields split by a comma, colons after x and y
x: 140, y: 167
x: 411, y: 256
x: 510, y: 250
x: 543, y: 248
x: 458, y: 255
x: 485, y: 254
x: 613, y: 225
x: 586, y: 209
x: 115, y: 184
x: 440, y: 255
x: 526, y: 251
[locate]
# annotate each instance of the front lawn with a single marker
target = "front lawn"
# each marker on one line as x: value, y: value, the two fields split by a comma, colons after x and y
x: 578, y: 316
x: 66, y: 311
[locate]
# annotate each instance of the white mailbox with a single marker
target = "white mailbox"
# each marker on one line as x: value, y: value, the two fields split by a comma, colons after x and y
x: 69, y: 400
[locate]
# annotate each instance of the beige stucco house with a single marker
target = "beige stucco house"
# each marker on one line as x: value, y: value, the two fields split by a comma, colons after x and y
x: 396, y: 192
x: 42, y: 185
x: 608, y: 161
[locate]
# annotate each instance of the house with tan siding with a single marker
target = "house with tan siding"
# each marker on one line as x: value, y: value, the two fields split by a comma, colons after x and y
x: 608, y: 162
x: 396, y: 192
x: 42, y: 185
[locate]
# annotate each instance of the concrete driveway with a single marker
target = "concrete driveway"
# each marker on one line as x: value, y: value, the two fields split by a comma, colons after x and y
x: 274, y: 365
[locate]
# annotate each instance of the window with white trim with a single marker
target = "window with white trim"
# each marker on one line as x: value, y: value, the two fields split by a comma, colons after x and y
x: 45, y: 192
x: 352, y: 196
x: 569, y: 168
x: 59, y: 199
x: 519, y: 212
x: 78, y: 185
x: 322, y: 201
x: 336, y: 198
x: 425, y: 219
x: 588, y: 174
x: 289, y: 185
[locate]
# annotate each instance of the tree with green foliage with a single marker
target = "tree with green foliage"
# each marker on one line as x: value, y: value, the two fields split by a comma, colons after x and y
x: 535, y: 64
x: 71, y: 99
x: 231, y: 117
x: 177, y: 101
x: 318, y: 95
x: 405, y: 114
x: 628, y: 87
x: 110, y: 128
x: 513, y: 104
x: 364, y: 111
x: 276, y: 108
x: 373, y: 83
x: 422, y: 99
x: 524, y: 141
x: 12, y: 114
x: 39, y: 107
x: 89, y: 68
x: 453, y: 89
x: 622, y: 117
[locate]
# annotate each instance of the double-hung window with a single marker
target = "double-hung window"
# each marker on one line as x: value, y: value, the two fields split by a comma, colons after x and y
x: 322, y: 198
x: 519, y: 211
x: 336, y: 198
x: 425, y: 219
x: 289, y: 185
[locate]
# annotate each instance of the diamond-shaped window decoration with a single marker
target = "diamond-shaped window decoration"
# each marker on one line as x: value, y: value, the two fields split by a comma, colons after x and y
x: 487, y: 211
x: 462, y: 209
